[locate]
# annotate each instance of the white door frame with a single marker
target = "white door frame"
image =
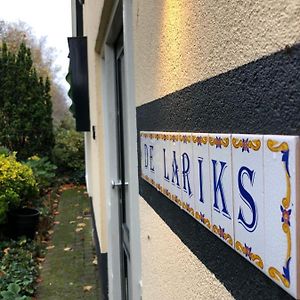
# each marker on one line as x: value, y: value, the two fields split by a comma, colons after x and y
x: 110, y: 142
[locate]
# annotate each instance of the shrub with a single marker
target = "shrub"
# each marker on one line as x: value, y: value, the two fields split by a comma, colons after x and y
x: 13, y: 293
x: 4, y: 150
x: 68, y: 152
x: 18, y: 266
x: 17, y: 184
x: 25, y: 105
x: 43, y: 170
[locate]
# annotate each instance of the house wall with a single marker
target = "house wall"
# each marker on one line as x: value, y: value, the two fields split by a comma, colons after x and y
x: 210, y: 66
x: 95, y: 147
x: 169, y: 268
x: 179, y: 43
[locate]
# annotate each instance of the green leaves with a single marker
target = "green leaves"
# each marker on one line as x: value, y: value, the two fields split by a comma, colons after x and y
x: 17, y: 184
x: 43, y: 170
x: 18, y: 269
x: 12, y: 293
x: 68, y: 153
x: 25, y: 105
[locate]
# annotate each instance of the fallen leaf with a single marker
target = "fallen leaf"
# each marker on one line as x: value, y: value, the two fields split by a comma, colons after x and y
x: 56, y: 222
x: 41, y: 259
x: 81, y: 225
x: 95, y: 261
x: 79, y: 218
x: 86, y: 218
x: 76, y: 205
x: 39, y: 280
x: 50, y: 231
x: 6, y: 250
x: 68, y: 249
x: 50, y: 247
x: 72, y: 222
x: 78, y: 229
x: 56, y: 213
x: 86, y: 212
x: 87, y: 288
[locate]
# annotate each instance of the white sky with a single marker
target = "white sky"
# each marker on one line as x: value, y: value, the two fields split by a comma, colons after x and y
x: 50, y: 18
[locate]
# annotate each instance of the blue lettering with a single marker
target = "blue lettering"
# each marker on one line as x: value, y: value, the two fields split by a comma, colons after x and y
x: 200, y: 160
x: 247, y: 198
x: 151, y: 158
x: 166, y: 175
x: 175, y: 170
x: 146, y: 155
x: 218, y: 188
x: 185, y: 173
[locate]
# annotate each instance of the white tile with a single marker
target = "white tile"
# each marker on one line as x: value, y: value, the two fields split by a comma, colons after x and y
x: 187, y: 172
x: 247, y: 174
x: 201, y: 179
x: 164, y: 163
x: 151, y: 142
x: 221, y: 186
x: 159, y: 160
x: 281, y: 169
x: 144, y: 141
x: 175, y: 169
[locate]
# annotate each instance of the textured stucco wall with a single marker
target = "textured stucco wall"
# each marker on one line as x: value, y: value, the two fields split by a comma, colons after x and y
x: 91, y: 14
x: 182, y: 42
x: 170, y: 270
x: 215, y: 66
x: 178, y: 43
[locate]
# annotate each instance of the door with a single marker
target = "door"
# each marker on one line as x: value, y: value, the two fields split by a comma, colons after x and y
x: 122, y: 183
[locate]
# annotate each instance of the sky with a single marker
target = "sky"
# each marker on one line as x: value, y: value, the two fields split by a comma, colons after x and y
x: 49, y: 18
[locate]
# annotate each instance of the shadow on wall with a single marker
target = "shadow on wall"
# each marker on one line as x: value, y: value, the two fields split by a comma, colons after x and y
x: 239, y: 277
x: 261, y: 97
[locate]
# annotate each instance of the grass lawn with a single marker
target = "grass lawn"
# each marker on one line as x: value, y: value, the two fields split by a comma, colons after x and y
x: 69, y: 270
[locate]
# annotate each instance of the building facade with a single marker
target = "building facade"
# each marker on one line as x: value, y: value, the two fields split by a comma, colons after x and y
x: 179, y: 67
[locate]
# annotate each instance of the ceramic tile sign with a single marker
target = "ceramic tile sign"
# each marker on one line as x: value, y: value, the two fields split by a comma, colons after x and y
x: 221, y: 186
x: 162, y: 160
x: 147, y: 141
x: 244, y: 188
x: 201, y: 179
x: 247, y: 175
x: 174, y: 169
x: 144, y: 154
x: 281, y: 188
x: 187, y: 173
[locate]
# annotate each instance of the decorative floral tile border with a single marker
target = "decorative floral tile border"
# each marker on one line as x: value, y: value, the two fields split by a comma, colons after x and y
x: 241, y: 187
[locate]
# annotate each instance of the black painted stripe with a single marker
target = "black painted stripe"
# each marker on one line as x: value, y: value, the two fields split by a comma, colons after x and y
x: 101, y: 258
x: 261, y: 97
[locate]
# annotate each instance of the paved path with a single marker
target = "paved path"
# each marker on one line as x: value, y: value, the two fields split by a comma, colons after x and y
x: 69, y: 271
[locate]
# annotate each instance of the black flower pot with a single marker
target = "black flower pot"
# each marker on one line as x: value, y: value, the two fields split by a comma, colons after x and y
x: 23, y: 221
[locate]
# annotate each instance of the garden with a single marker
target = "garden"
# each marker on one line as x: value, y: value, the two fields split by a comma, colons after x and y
x: 37, y: 158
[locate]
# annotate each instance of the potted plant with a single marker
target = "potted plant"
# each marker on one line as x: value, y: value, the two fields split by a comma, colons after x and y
x: 18, y: 188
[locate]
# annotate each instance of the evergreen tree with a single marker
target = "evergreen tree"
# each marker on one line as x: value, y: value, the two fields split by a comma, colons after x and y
x: 43, y: 57
x: 25, y: 105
